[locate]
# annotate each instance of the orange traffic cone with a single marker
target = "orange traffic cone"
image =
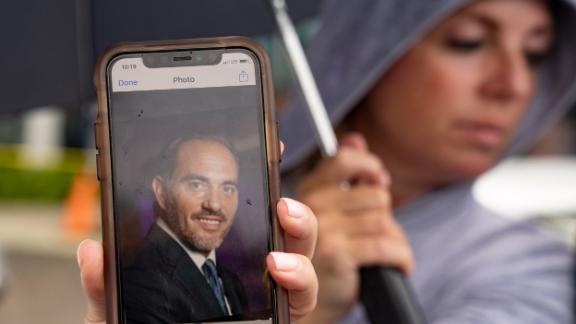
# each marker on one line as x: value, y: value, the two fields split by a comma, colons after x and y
x: 78, y: 218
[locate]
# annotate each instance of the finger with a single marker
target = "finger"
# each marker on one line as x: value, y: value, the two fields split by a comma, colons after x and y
x: 281, y: 147
x: 300, y: 227
x: 354, y: 140
x: 332, y: 251
x: 373, y: 223
x: 357, y: 141
x: 356, y: 199
x: 347, y: 165
x: 382, y: 251
x: 294, y: 272
x: 90, y: 260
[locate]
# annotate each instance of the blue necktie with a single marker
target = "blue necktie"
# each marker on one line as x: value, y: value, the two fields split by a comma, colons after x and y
x: 209, y: 269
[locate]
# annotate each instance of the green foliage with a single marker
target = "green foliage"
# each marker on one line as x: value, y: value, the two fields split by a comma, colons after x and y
x: 34, y: 185
x: 18, y: 182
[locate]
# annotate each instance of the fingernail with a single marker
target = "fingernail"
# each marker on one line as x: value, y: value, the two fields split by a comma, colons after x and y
x: 285, y: 261
x: 295, y: 209
x: 78, y: 260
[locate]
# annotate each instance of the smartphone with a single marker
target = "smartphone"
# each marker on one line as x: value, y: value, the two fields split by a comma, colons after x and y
x: 188, y: 157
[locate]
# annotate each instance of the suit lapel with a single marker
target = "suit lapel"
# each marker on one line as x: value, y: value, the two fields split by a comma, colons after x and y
x: 200, y: 298
x: 194, y: 282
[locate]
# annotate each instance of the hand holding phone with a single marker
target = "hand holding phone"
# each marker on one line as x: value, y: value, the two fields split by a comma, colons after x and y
x: 188, y: 162
x: 292, y: 271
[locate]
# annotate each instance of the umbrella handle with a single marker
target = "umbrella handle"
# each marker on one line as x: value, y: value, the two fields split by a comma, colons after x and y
x: 384, y: 291
x: 387, y: 297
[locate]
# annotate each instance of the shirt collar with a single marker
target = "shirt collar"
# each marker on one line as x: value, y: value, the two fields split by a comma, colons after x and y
x: 197, y: 258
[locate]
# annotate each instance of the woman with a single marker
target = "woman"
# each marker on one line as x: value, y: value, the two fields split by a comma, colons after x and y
x: 437, y: 92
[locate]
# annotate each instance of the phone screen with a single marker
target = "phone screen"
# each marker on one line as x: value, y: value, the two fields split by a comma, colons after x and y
x: 190, y: 187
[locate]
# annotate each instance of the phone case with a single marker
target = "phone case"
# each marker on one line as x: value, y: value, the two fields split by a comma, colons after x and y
x: 104, y: 163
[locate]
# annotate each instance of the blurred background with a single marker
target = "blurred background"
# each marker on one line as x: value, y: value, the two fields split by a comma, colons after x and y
x: 49, y: 195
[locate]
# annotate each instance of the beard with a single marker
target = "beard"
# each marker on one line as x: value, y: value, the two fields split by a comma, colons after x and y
x: 194, y: 240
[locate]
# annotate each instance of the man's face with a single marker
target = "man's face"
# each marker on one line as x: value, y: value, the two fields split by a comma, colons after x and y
x: 199, y: 202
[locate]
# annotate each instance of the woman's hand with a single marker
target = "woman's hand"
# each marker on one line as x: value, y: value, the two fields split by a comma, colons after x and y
x: 292, y: 269
x: 349, y: 195
x: 91, y: 262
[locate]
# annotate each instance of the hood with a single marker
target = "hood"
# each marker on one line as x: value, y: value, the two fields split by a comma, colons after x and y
x: 358, y: 41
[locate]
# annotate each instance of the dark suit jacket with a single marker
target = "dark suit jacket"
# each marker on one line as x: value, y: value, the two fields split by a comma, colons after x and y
x: 163, y: 285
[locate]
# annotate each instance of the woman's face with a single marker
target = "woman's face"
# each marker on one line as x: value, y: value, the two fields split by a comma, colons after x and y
x: 449, y: 107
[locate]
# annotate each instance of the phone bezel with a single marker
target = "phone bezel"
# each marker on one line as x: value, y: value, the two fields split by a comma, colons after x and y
x: 280, y: 309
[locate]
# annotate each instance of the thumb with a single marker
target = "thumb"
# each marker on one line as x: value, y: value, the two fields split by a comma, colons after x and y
x: 355, y: 141
x: 91, y: 260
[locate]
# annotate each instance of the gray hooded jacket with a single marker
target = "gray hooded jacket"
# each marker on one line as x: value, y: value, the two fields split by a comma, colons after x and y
x: 472, y: 266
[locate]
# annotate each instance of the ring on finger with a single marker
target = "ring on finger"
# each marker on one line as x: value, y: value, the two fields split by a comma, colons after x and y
x: 344, y: 186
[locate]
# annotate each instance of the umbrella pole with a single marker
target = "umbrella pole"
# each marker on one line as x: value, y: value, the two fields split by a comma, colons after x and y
x: 384, y: 291
x: 317, y: 110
